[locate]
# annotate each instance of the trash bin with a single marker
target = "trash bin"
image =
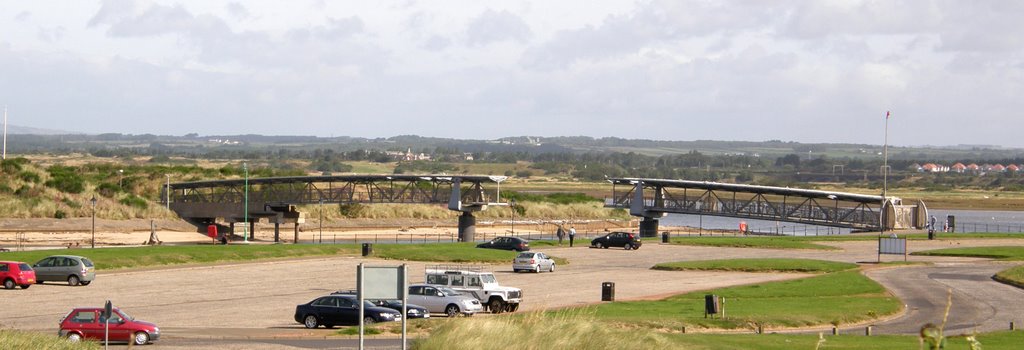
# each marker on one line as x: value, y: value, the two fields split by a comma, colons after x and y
x: 367, y: 249
x: 608, y: 291
x: 952, y: 222
x: 931, y: 234
x: 664, y: 237
x: 710, y: 304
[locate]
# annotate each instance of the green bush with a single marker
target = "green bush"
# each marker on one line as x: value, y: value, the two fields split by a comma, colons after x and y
x: 5, y: 189
x: 134, y: 201
x: 108, y: 189
x: 65, y: 179
x: 59, y: 214
x: 29, y: 176
x: 351, y: 210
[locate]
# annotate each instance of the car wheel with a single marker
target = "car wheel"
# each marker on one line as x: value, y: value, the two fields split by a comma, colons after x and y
x: 141, y: 338
x: 73, y: 280
x: 536, y: 269
x: 86, y: 283
x: 25, y: 286
x: 552, y: 269
x: 497, y: 306
x: 452, y: 310
x: 310, y: 321
x: 74, y: 337
x: 368, y: 320
x: 628, y: 246
x: 9, y: 284
x: 599, y: 245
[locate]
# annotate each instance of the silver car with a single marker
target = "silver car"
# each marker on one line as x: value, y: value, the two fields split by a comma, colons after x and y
x: 73, y: 269
x: 443, y: 300
x: 533, y: 261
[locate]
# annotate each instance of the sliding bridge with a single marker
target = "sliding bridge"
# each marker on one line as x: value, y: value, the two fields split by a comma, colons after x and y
x: 653, y: 198
x: 248, y: 200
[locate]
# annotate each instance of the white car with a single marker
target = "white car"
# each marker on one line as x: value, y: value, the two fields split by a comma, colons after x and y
x: 533, y: 261
x: 443, y: 300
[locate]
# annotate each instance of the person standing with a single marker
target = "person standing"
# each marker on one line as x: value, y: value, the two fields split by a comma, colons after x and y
x: 572, y: 234
x: 560, y: 233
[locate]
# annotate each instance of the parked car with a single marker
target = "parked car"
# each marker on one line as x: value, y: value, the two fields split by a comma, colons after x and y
x: 617, y: 239
x: 443, y: 300
x: 506, y: 243
x: 474, y: 281
x: 336, y: 309
x: 73, y: 269
x: 533, y: 261
x: 16, y: 273
x: 411, y: 311
x: 86, y: 323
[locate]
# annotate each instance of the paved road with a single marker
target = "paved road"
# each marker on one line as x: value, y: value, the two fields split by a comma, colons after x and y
x: 978, y: 302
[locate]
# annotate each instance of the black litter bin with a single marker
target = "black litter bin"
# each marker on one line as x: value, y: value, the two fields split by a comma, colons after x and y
x: 367, y: 249
x: 664, y: 237
x: 711, y: 304
x: 608, y: 291
x: 952, y: 222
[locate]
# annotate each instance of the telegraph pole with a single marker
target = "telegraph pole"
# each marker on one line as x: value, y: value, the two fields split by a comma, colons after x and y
x: 885, y: 174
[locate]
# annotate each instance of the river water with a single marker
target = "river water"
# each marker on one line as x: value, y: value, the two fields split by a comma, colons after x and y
x: 966, y: 221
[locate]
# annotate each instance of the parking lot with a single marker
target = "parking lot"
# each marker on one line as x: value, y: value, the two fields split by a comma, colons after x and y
x: 258, y: 299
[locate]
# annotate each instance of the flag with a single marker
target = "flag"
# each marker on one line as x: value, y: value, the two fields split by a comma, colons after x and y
x: 886, y: 114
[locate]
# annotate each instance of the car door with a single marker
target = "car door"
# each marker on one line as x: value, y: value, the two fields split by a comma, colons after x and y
x: 618, y: 239
x: 85, y: 321
x: 43, y: 269
x: 347, y: 311
x: 119, y: 328
x: 434, y: 302
x: 416, y: 297
x: 543, y: 261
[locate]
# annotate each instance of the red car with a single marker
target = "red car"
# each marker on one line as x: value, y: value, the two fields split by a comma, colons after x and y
x: 16, y: 273
x: 85, y: 323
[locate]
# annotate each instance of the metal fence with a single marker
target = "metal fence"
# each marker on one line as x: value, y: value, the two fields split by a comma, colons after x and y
x: 972, y: 227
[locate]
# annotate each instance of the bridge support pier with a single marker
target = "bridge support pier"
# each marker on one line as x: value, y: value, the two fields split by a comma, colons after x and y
x: 467, y: 227
x: 296, y: 241
x: 277, y: 232
x: 252, y: 230
x: 231, y: 225
x: 649, y: 227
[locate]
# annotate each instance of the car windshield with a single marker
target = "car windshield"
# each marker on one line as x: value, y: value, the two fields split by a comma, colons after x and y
x: 87, y: 262
x: 525, y: 255
x: 488, y: 278
x: 367, y: 304
x: 125, y: 315
x: 449, y: 291
x: 24, y: 267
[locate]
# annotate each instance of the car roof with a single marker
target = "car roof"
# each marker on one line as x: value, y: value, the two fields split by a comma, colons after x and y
x: 11, y: 262
x: 65, y: 256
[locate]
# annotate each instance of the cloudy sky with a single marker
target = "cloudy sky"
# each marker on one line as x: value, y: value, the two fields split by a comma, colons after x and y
x: 951, y: 72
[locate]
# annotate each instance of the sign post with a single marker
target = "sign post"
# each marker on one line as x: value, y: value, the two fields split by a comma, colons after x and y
x: 108, y: 309
x: 382, y: 282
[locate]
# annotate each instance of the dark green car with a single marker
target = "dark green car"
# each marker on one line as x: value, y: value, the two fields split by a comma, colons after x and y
x: 72, y: 269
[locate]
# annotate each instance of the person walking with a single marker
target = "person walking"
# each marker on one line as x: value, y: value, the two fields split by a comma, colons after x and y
x: 572, y: 235
x: 560, y: 233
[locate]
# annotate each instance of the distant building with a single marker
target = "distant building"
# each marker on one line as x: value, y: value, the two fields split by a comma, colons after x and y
x: 973, y: 167
x: 998, y: 167
x: 958, y: 167
x: 1013, y: 168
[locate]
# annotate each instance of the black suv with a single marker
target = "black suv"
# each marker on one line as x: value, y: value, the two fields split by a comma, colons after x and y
x: 334, y: 310
x: 506, y: 243
x: 617, y: 239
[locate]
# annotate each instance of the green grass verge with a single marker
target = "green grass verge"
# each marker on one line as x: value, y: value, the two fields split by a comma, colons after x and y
x: 759, y: 265
x: 750, y: 242
x: 13, y: 339
x: 1002, y: 253
x: 1012, y: 276
x: 137, y: 257
x: 836, y: 298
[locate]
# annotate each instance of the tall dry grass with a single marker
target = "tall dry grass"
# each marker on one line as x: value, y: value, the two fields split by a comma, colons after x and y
x: 13, y: 339
x: 566, y: 330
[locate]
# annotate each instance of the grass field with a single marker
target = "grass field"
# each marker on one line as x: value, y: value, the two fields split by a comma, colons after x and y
x: 989, y: 341
x: 759, y: 265
x: 750, y: 242
x: 137, y: 257
x: 835, y: 298
x: 1001, y: 253
x: 1013, y: 276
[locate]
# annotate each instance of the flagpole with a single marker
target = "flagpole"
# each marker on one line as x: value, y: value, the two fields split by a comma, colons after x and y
x: 885, y: 171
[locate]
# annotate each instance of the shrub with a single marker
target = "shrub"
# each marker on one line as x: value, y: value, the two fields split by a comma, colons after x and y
x: 29, y: 176
x: 108, y: 189
x: 351, y: 210
x: 524, y: 173
x: 65, y: 179
x: 134, y: 201
x: 59, y: 214
x: 6, y: 189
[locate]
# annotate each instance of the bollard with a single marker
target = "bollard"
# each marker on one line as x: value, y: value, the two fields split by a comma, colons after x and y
x: 1013, y: 326
x: 835, y: 330
x: 867, y: 331
x: 683, y: 329
x: 760, y: 330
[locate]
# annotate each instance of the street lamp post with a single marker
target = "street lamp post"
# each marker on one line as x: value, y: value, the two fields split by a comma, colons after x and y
x: 245, y: 229
x: 885, y: 176
x: 93, y: 200
x: 513, y: 216
x: 321, y: 220
x: 120, y: 176
x: 167, y: 192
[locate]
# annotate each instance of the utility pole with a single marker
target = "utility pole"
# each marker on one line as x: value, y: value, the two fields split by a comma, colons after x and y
x: 5, y: 132
x: 885, y: 175
x: 245, y: 230
x: 167, y: 192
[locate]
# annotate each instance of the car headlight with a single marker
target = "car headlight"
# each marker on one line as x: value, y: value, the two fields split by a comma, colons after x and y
x: 387, y: 316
